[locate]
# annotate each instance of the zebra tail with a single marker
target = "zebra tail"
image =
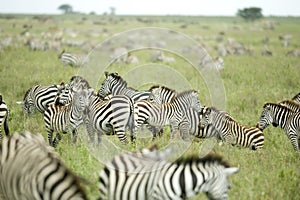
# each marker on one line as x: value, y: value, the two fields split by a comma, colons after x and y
x: 6, y: 129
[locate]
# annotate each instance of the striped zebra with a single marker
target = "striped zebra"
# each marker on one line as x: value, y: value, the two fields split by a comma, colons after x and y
x: 39, y: 97
x: 230, y: 130
x: 285, y: 117
x: 291, y: 104
x: 30, y: 169
x: 140, y: 176
x: 190, y: 125
x: 172, y: 113
x: 73, y: 60
x: 109, y: 116
x: 62, y: 118
x: 4, y: 115
x: 296, y: 98
x: 116, y: 85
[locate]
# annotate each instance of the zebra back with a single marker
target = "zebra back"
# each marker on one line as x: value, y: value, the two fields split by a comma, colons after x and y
x: 30, y: 169
x: 138, y: 176
x: 291, y: 104
x: 296, y: 98
x: 232, y: 131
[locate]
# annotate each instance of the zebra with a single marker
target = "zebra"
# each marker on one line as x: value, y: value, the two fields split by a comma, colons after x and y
x: 291, y: 104
x: 30, y: 169
x: 4, y: 115
x: 140, y: 176
x: 39, y: 97
x: 285, y: 117
x: 61, y: 118
x: 106, y: 116
x: 296, y: 98
x: 190, y: 124
x: 73, y: 60
x: 165, y: 114
x: 230, y: 130
x: 116, y: 85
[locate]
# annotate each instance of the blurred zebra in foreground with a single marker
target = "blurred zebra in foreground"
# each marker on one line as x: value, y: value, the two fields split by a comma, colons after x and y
x: 109, y: 116
x: 30, y: 169
x: 39, y: 97
x: 190, y: 125
x: 73, y: 60
x: 141, y: 175
x: 285, y: 117
x: 296, y: 98
x: 172, y: 113
x: 230, y: 130
x: 64, y: 118
x: 116, y: 85
x: 4, y: 115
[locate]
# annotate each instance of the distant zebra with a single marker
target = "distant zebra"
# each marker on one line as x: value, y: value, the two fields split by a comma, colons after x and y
x: 190, y: 124
x: 172, y: 113
x: 230, y: 130
x: 30, y: 169
x: 64, y: 118
x: 140, y: 176
x: 109, y: 116
x: 296, y: 98
x: 283, y: 116
x: 73, y: 60
x: 116, y: 85
x: 39, y: 97
x: 4, y: 115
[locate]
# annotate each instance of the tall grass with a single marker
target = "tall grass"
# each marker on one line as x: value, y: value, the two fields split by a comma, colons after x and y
x: 249, y: 81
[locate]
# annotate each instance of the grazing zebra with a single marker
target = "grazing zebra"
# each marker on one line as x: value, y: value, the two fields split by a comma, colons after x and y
x: 107, y: 116
x: 62, y: 118
x: 230, y: 130
x: 116, y: 85
x: 30, y: 169
x: 4, y: 113
x: 165, y: 114
x: 296, y: 98
x: 291, y: 104
x: 283, y: 116
x: 39, y: 97
x: 72, y: 59
x: 190, y: 124
x: 140, y: 176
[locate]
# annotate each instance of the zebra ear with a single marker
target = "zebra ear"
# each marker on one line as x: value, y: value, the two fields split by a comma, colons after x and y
x: 231, y: 170
x: 106, y: 74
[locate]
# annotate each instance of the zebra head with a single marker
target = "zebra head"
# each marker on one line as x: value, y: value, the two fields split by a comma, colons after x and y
x: 81, y: 97
x: 111, y: 79
x: 190, y: 99
x: 161, y: 94
x: 205, y: 116
x: 266, y: 117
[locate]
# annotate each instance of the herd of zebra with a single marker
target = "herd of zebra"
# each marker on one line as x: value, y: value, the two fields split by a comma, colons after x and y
x: 116, y: 108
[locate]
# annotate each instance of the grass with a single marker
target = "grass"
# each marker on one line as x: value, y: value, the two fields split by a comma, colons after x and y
x: 249, y: 82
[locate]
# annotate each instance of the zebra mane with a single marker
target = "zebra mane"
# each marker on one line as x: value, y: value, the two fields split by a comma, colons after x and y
x: 290, y: 102
x: 117, y: 77
x: 278, y: 106
x: 162, y: 87
x: 210, y: 158
x: 296, y: 96
x: 27, y: 92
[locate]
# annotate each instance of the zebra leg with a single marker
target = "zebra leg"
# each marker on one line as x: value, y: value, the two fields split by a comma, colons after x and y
x: 56, y: 140
x: 74, y: 135
x: 50, y: 135
x: 6, y: 129
x: 294, y: 140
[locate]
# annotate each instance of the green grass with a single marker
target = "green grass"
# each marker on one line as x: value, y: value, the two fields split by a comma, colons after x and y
x: 249, y: 82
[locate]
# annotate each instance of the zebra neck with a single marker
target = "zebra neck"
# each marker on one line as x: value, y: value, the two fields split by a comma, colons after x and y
x: 281, y: 116
x: 118, y: 88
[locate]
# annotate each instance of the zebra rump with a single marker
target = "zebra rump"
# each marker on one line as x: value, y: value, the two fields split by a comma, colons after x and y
x: 4, y: 115
x: 30, y: 169
x: 141, y: 176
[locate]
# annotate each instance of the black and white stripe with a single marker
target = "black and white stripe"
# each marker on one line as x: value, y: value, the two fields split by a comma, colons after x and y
x: 109, y: 116
x: 231, y: 131
x: 116, y: 85
x: 30, y: 169
x: 172, y: 113
x: 291, y: 104
x: 296, y: 98
x: 4, y: 115
x: 39, y: 97
x: 65, y: 118
x: 140, y: 176
x: 286, y: 118
x: 72, y: 59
